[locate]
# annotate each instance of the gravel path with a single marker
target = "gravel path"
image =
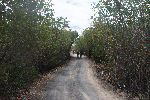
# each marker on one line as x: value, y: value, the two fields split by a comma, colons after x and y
x: 76, y: 82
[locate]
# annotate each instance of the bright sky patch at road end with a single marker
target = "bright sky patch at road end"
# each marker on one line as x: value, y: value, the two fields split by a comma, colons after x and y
x: 78, y: 12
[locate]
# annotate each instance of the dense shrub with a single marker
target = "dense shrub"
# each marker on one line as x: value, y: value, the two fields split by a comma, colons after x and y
x: 32, y: 41
x: 118, y: 39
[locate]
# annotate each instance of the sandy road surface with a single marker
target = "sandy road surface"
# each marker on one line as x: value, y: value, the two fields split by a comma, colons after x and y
x: 76, y: 82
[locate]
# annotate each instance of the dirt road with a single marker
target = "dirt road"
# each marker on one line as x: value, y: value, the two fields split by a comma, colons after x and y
x: 76, y: 82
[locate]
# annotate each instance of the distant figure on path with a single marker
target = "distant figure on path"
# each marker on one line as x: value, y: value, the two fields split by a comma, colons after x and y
x: 73, y: 51
x: 78, y: 54
x: 81, y: 53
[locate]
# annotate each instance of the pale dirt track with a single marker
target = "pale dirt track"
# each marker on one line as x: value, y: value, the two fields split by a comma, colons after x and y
x: 76, y: 82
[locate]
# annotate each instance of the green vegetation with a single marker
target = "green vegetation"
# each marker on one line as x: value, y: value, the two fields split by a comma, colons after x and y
x: 32, y: 41
x: 119, y: 39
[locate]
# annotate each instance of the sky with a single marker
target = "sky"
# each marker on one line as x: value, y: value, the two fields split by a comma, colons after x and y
x: 78, y: 12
